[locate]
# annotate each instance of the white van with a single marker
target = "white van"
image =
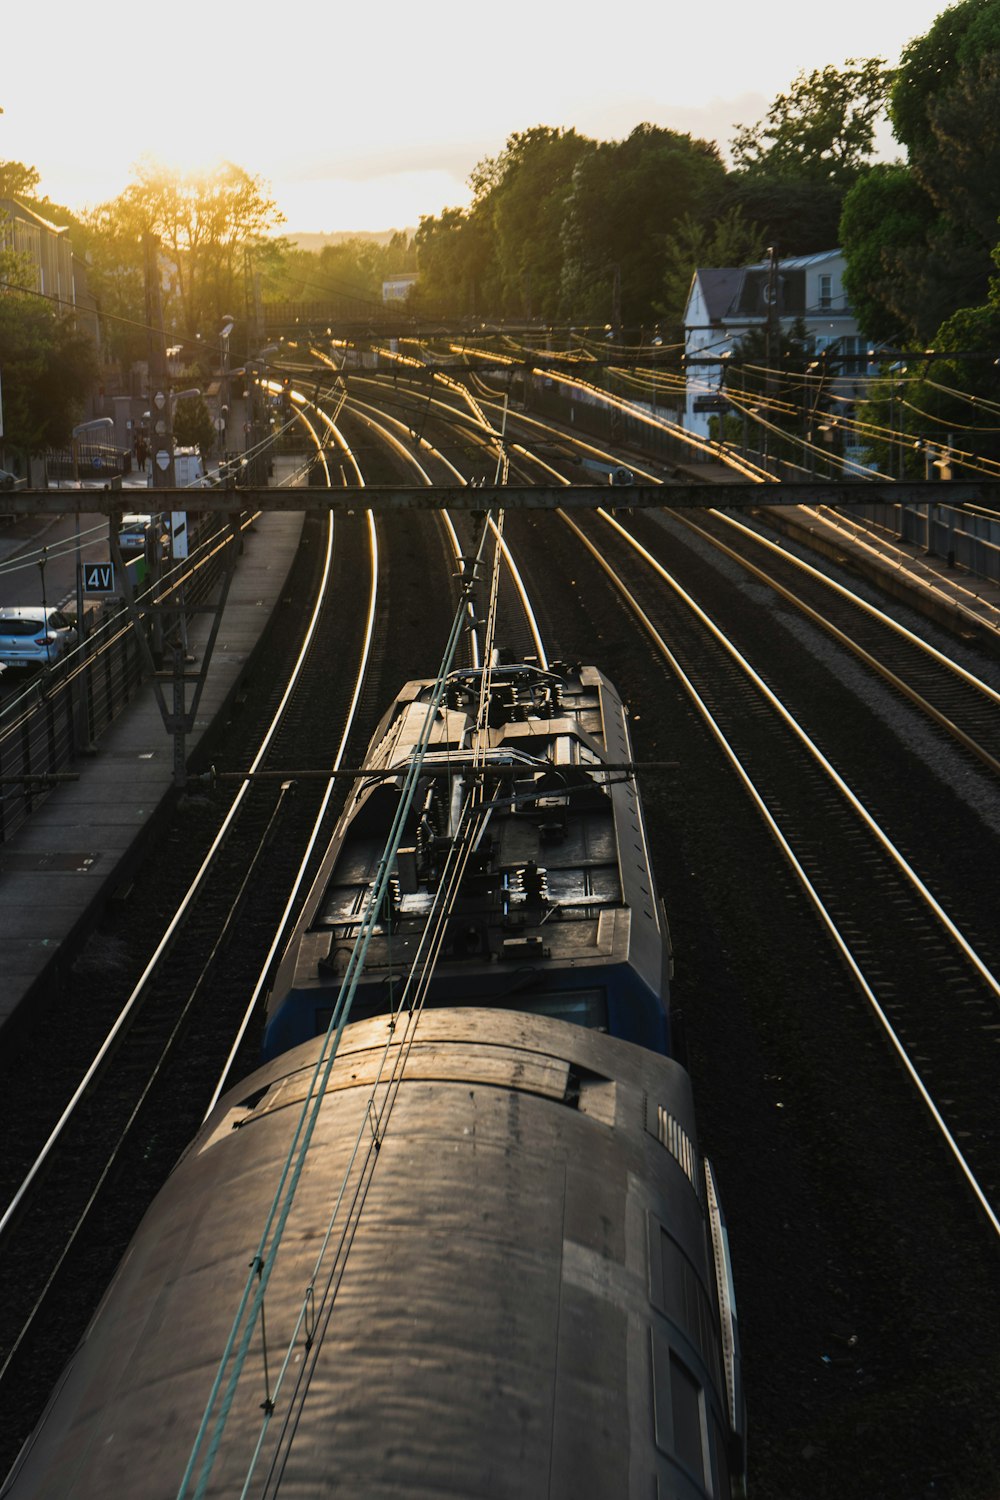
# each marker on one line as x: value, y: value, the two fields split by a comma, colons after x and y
x: 189, y: 470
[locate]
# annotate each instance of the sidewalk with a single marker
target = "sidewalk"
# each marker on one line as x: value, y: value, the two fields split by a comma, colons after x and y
x: 65, y: 860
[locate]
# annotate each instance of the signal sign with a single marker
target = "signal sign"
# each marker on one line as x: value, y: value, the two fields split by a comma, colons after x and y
x: 99, y: 578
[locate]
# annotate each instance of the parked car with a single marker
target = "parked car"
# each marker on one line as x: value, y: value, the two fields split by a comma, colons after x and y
x: 31, y: 636
x: 132, y: 534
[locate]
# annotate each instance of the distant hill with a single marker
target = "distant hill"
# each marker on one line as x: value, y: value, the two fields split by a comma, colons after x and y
x: 317, y: 241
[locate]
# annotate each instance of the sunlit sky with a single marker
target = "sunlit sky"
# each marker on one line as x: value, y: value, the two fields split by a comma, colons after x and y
x: 365, y: 116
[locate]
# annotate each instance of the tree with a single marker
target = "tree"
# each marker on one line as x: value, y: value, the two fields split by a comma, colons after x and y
x: 205, y: 223
x: 932, y: 257
x: 768, y: 371
x: 17, y: 180
x: 193, y: 426
x: 48, y: 369
x: 958, y: 397
x: 112, y: 240
x: 887, y: 217
x: 521, y: 201
x: 823, y: 129
x: 453, y: 256
x: 729, y: 240
x: 958, y: 166
x: 801, y: 217
x: 627, y: 198
x: 960, y: 38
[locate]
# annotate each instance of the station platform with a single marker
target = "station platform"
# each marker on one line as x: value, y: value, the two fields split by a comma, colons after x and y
x: 75, y: 850
x: 954, y: 598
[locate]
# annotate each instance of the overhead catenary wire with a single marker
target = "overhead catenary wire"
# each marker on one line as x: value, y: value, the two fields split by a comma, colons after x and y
x: 209, y: 1436
x: 465, y: 833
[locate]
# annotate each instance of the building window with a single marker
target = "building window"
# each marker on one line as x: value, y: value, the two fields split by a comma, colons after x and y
x: 826, y: 291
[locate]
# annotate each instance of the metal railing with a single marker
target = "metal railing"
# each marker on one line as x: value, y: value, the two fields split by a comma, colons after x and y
x: 62, y: 712
x: 958, y: 536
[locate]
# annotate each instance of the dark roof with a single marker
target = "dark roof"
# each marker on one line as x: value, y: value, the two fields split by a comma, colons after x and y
x: 751, y: 298
x: 719, y: 287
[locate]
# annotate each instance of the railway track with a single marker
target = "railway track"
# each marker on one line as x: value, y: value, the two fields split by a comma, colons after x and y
x: 154, y: 1075
x: 934, y: 989
x: 837, y: 1192
x: 960, y: 702
x: 901, y: 945
x: 186, y: 994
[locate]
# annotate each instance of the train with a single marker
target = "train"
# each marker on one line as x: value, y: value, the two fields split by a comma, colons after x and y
x: 551, y: 903
x: 462, y: 1241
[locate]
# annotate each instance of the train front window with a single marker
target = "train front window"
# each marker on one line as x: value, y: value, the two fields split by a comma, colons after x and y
x: 580, y: 1007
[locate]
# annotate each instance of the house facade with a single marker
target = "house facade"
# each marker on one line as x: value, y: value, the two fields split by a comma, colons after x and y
x: 54, y: 271
x: 397, y: 288
x: 45, y: 246
x: 724, y: 304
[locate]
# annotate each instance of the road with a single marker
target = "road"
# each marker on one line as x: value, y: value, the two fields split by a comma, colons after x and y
x: 59, y: 542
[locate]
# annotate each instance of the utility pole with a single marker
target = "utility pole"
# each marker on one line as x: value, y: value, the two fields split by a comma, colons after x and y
x: 616, y: 302
x: 770, y: 328
x: 161, y: 414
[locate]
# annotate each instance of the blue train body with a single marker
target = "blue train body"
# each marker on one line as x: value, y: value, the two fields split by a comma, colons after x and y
x: 551, y: 904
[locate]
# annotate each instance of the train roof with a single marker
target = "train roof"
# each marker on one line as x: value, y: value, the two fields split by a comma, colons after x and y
x: 552, y: 902
x: 523, y: 1306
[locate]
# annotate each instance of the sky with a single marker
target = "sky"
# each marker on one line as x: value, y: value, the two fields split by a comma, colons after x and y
x: 366, y: 116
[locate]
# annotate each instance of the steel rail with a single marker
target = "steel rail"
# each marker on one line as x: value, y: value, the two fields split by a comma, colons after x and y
x: 840, y: 941
x: 965, y: 947
x: 858, y: 533
x: 360, y: 676
x: 508, y: 556
x: 132, y: 1003
x: 845, y: 640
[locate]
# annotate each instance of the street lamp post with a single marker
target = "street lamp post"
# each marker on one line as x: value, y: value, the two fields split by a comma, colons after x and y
x: 227, y: 327
x: 256, y: 375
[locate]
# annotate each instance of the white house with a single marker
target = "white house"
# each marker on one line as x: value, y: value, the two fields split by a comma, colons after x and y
x: 723, y: 304
x: 397, y: 288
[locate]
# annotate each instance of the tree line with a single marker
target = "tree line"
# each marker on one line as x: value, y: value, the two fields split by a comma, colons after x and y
x: 566, y: 229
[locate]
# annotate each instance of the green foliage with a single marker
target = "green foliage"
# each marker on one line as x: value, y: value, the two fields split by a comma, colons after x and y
x: 353, y: 269
x: 48, y: 368
x: 17, y: 180
x: 520, y: 205
x: 453, y: 256
x: 565, y: 227
x: 799, y: 217
x: 205, y: 223
x: 193, y: 427
x: 956, y: 42
x: 627, y: 198
x: 937, y: 409
x: 730, y: 240
x: 770, y: 362
x: 823, y: 129
x: 960, y: 165
x: 770, y: 369
x: 112, y: 242
x: 886, y: 213
x: 919, y: 238
x: 928, y: 408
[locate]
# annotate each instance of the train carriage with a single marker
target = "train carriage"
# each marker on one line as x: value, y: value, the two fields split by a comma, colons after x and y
x: 553, y: 908
x: 493, y: 1263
